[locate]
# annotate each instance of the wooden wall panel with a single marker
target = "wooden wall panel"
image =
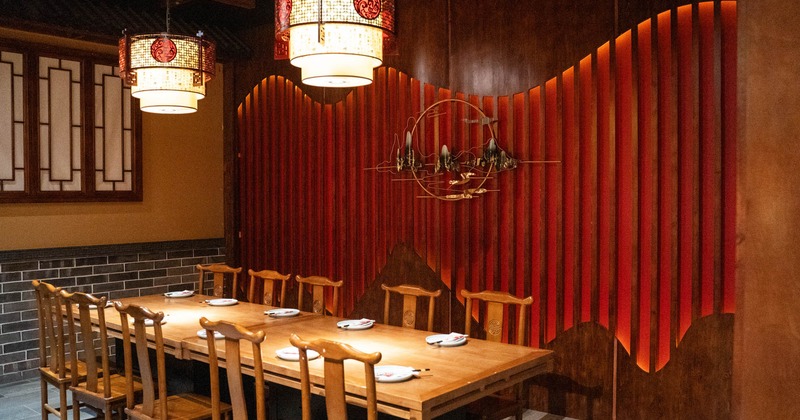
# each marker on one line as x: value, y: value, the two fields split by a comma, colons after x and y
x: 632, y: 230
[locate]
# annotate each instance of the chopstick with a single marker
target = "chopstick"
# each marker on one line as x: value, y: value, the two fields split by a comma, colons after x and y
x: 420, y: 370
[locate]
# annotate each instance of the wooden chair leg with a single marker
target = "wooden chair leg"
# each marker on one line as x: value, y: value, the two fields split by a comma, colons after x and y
x: 43, y: 388
x: 62, y: 395
x: 76, y: 409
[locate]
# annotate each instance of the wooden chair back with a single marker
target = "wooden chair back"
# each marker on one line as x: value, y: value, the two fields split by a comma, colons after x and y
x: 233, y: 335
x: 494, y: 313
x: 335, y: 354
x: 318, y: 285
x: 85, y: 304
x: 219, y: 271
x: 268, y: 278
x: 410, y: 294
x: 141, y: 314
x: 52, y: 348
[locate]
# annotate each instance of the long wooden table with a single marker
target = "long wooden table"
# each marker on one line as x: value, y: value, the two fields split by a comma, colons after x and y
x: 457, y: 376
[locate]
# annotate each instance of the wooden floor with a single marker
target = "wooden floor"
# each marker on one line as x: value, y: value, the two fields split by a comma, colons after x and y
x: 20, y: 401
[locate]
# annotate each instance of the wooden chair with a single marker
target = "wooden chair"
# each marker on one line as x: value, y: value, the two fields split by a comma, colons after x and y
x: 335, y: 354
x: 318, y: 285
x: 180, y: 406
x: 511, y: 402
x: 219, y: 271
x: 410, y: 294
x: 233, y: 334
x: 103, y: 392
x: 53, y: 368
x: 268, y: 279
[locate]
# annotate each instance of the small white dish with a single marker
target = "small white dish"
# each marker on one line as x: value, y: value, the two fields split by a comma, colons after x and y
x: 292, y: 354
x: 356, y: 324
x: 447, y: 340
x: 149, y: 322
x: 392, y: 373
x: 217, y: 335
x: 180, y: 294
x: 222, y: 302
x: 282, y: 312
x: 108, y: 303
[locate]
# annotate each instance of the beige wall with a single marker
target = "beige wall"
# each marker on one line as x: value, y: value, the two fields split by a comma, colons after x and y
x: 183, y: 182
x: 766, y: 374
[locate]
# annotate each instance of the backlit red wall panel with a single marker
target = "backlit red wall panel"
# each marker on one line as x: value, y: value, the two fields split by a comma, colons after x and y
x: 633, y: 228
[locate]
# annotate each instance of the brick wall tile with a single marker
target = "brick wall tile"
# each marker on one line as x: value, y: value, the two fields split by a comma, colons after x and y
x: 148, y: 265
x: 179, y: 271
x: 146, y: 274
x: 29, y: 335
x: 215, y: 259
x: 75, y: 271
x: 193, y: 261
x: 10, y: 277
x: 20, y: 346
x: 18, y: 306
x: 154, y: 290
x: 167, y: 263
x: 205, y: 252
x: 128, y: 275
x: 100, y: 278
x: 69, y: 262
x: 10, y: 297
x: 19, y: 266
x: 16, y: 367
x: 10, y: 317
x: 123, y: 294
x: 40, y: 274
x: 8, y: 357
x: 91, y: 261
x: 26, y: 315
x: 110, y: 268
x: 108, y: 287
x: 10, y: 337
x: 123, y: 258
x: 184, y: 253
x: 62, y: 282
x: 138, y: 284
x: 20, y: 326
x: 149, y: 256
x: 17, y: 286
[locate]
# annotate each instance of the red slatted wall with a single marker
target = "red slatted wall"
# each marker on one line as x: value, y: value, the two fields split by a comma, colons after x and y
x: 634, y: 229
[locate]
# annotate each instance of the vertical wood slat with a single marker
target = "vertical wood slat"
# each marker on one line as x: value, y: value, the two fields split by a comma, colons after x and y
x: 646, y: 191
x: 728, y: 80
x: 569, y: 188
x: 551, y: 137
x: 601, y: 234
x: 686, y: 174
x: 536, y: 136
x: 667, y: 150
x: 588, y: 184
x: 604, y: 191
x: 624, y: 175
x: 709, y: 191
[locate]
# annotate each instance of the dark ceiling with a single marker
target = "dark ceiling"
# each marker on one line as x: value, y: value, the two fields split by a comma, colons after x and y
x: 103, y: 20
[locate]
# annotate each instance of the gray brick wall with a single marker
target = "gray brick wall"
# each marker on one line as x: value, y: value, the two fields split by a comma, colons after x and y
x: 115, y: 271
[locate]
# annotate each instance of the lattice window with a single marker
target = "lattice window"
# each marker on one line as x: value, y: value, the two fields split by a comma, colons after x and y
x: 12, y: 123
x: 69, y: 130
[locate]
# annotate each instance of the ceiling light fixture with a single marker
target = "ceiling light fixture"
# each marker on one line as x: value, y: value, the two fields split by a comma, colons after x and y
x: 335, y: 43
x: 166, y: 72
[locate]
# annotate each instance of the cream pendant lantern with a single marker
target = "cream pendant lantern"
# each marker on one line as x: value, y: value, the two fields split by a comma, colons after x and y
x: 335, y: 43
x: 167, y: 73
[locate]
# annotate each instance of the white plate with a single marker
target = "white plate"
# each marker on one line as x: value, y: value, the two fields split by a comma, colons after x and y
x: 149, y: 322
x: 108, y: 303
x: 447, y: 340
x: 222, y: 302
x: 356, y: 324
x: 391, y: 373
x: 282, y: 312
x: 217, y: 335
x: 292, y: 354
x: 179, y: 294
